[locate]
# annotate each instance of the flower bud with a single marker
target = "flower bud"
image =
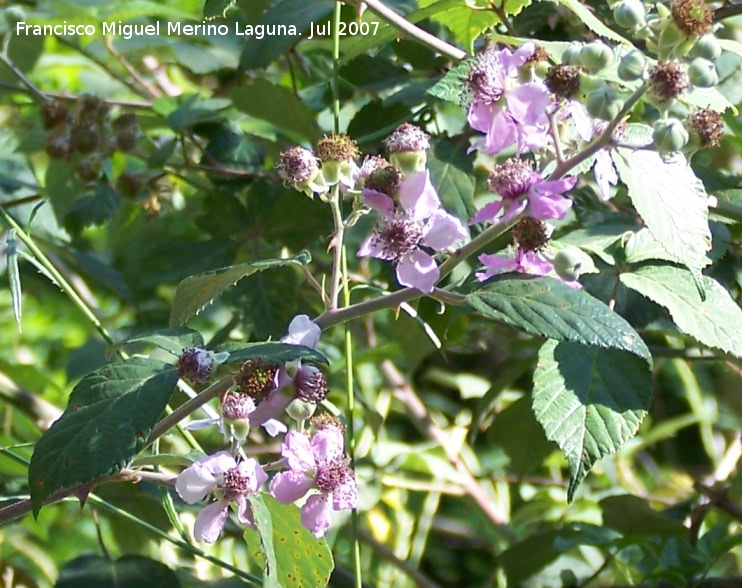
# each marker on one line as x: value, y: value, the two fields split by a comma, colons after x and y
x: 571, y: 55
x: 702, y: 73
x: 196, y: 365
x: 236, y: 410
x: 669, y: 135
x: 13, y: 15
x: 568, y: 264
x: 707, y: 47
x: 632, y: 66
x: 603, y: 103
x: 310, y: 384
x: 299, y: 168
x: 300, y: 411
x: 596, y: 56
x: 406, y: 147
x: 629, y: 14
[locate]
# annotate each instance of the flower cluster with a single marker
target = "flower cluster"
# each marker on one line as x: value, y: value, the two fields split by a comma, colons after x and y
x: 261, y: 394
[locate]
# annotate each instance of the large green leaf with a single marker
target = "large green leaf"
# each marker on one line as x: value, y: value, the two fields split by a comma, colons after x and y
x: 278, y: 106
x: 592, y: 22
x: 630, y: 515
x: 108, y: 419
x: 671, y: 200
x: 194, y: 293
x: 715, y: 321
x: 270, y: 351
x: 589, y: 401
x: 302, y: 561
x: 130, y: 571
x: 467, y: 22
x: 549, y: 308
x: 172, y: 340
x: 259, y: 53
x: 450, y: 172
x: 264, y: 524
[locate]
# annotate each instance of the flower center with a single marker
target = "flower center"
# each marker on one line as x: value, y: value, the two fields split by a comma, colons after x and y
x: 311, y: 384
x: 256, y: 379
x: 398, y: 236
x: 512, y: 178
x: 235, y: 485
x: 333, y: 475
x: 487, y: 78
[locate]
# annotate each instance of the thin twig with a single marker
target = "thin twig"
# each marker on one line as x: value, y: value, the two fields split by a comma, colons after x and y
x: 32, y: 89
x: 500, y: 11
x: 402, y: 24
x: 727, y: 11
x: 151, y: 90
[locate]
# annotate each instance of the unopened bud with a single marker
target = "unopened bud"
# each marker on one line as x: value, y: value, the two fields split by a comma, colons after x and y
x: 629, y: 14
x: 196, y: 365
x: 311, y: 384
x: 568, y: 264
x: 632, y: 66
x: 13, y: 15
x: 702, y: 73
x: 300, y: 411
x: 707, y: 47
x: 604, y: 104
x: 669, y: 135
x: 596, y: 56
x: 571, y: 55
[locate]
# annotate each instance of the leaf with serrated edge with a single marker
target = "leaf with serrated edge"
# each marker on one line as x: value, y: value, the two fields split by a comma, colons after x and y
x: 195, y: 293
x: 270, y: 351
x: 547, y: 307
x: 108, y: 419
x: 173, y: 340
x: 302, y: 560
x: 590, y: 401
x: 716, y: 321
x: 264, y: 524
x: 592, y: 22
x: 671, y: 200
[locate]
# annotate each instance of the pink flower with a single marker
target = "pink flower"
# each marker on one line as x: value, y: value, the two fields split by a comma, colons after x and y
x: 421, y: 222
x: 230, y: 481
x: 516, y: 182
x: 318, y: 462
x: 502, y: 107
x: 527, y: 262
x: 302, y: 331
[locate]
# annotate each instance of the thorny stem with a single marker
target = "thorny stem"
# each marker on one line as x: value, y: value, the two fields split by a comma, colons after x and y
x: 603, y: 140
x: 400, y: 23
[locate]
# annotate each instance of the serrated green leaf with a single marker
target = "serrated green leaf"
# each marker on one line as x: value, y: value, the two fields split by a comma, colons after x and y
x: 451, y: 87
x: 302, y: 560
x: 185, y: 111
x: 549, y: 308
x: 195, y: 293
x: 631, y: 516
x: 216, y: 8
x: 590, y: 401
x: 130, y: 571
x: 94, y: 209
x: 270, y: 351
x: 592, y: 22
x: 108, y: 419
x: 465, y: 21
x: 642, y: 246
x: 260, y: 53
x: 715, y: 321
x: 278, y: 106
x: 172, y: 340
x: 671, y: 200
x: 452, y: 180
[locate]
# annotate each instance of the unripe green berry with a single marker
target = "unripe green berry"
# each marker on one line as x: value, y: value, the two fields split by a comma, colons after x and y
x: 702, y: 73
x: 629, y: 14
x: 596, y: 56
x: 669, y: 135
x: 604, y: 104
x: 632, y: 66
x: 568, y: 264
x: 571, y: 55
x: 13, y: 15
x: 707, y: 47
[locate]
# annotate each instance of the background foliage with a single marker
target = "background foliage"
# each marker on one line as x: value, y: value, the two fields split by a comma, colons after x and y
x: 473, y: 430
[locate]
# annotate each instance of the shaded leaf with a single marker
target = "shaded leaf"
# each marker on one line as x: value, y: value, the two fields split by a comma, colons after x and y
x: 264, y: 524
x: 270, y: 351
x: 130, y: 571
x: 630, y: 515
x: 450, y: 172
x: 451, y: 87
x: 590, y: 401
x: 549, y: 308
x: 172, y: 340
x: 592, y: 22
x: 110, y: 414
x: 195, y: 293
x: 715, y: 321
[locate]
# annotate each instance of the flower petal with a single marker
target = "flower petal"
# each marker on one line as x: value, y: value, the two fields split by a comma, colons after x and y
x: 271, y: 407
x: 274, y: 428
x: 302, y: 331
x: 199, y: 424
x: 244, y: 512
x: 328, y: 444
x: 495, y: 264
x: 254, y: 473
x: 345, y: 496
x: 605, y: 174
x: 534, y: 263
x: 418, y: 270
x: 489, y: 212
x: 194, y: 483
x: 444, y: 230
x: 546, y: 207
x: 315, y: 515
x: 527, y: 104
x: 288, y: 487
x: 379, y: 201
x: 297, y: 451
x: 210, y: 521
x: 418, y: 196
x: 372, y: 246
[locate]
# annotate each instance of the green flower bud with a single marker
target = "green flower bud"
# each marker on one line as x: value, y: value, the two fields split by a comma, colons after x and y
x: 707, y: 46
x: 596, y: 56
x: 571, y: 55
x: 702, y: 73
x: 632, y: 66
x: 669, y: 135
x: 300, y: 411
x: 13, y: 15
x: 629, y: 14
x: 568, y: 264
x: 604, y: 104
